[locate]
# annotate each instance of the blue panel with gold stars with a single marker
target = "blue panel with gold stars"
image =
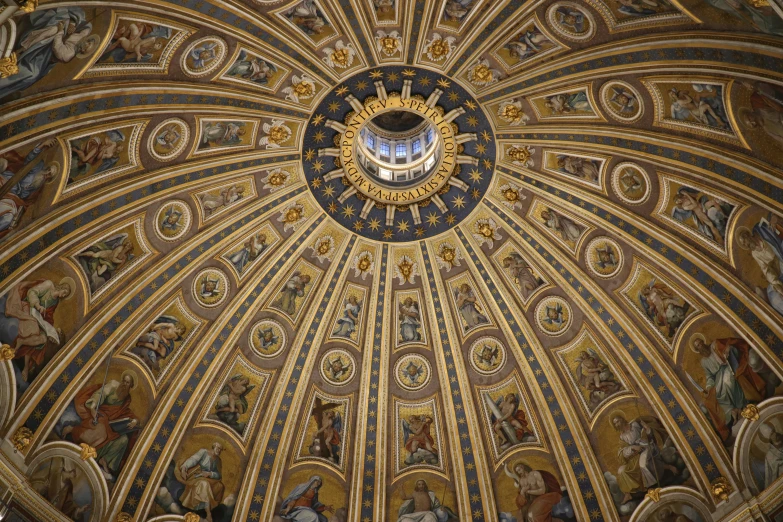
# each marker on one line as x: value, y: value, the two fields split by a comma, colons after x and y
x: 452, y: 202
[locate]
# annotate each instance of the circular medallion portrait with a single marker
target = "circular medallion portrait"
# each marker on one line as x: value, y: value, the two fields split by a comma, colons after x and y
x: 412, y: 372
x: 172, y: 220
x: 210, y: 287
x: 267, y: 338
x: 553, y: 315
x: 604, y: 257
x: 338, y: 367
x: 487, y: 355
x: 571, y: 21
x: 621, y: 101
x: 203, y: 56
x: 631, y: 183
x: 168, y: 139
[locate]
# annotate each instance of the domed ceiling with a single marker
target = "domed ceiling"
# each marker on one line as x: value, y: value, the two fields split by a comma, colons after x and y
x: 544, y: 284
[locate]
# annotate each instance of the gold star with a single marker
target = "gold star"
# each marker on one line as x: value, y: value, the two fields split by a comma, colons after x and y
x: 319, y: 136
x: 376, y: 75
x: 388, y: 234
x: 358, y: 225
x: 470, y: 104
x: 409, y: 73
x: 472, y: 121
x: 458, y: 202
x: 453, y: 96
x: 443, y: 82
x: 318, y: 166
x: 487, y: 163
x: 329, y: 191
x: 424, y: 81
x: 450, y: 219
x: 341, y: 90
x: 332, y: 207
x: 316, y: 182
x: 361, y: 85
x: 481, y: 148
x: 475, y: 193
x: 309, y: 154
x: 475, y: 176
x: 317, y: 119
x: 348, y: 211
x: 393, y: 77
x: 334, y: 106
x: 432, y: 219
x: 403, y: 226
x: 485, y: 136
x: 374, y: 224
x: 419, y: 231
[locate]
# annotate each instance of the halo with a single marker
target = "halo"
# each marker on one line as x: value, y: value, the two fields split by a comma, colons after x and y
x: 57, y: 166
x: 618, y: 413
x: 696, y: 336
x: 133, y: 376
x: 737, y: 234
x: 741, y: 114
x: 71, y: 283
x: 97, y: 43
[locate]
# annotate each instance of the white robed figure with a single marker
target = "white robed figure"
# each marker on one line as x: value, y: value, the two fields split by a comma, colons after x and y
x: 346, y: 324
x: 773, y: 461
x: 302, y: 504
x: 423, y: 506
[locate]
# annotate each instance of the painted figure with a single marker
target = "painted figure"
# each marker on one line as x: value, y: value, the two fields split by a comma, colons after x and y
x: 509, y: 421
x: 202, y: 475
x: 528, y: 43
x: 705, y: 213
x: 663, y: 306
x: 53, y: 36
x: 705, y: 106
x: 251, y: 249
x: 563, y: 226
x: 252, y: 68
x: 457, y: 10
x: 410, y: 320
x: 327, y: 440
x: 232, y: 403
x: 107, y: 422
x: 423, y: 506
x: 135, y: 42
x: 469, y: 307
x: 587, y: 169
x: 606, y: 257
x: 419, y: 442
x: 105, y: 258
x: 595, y: 376
x: 27, y: 322
x: 303, y: 505
x: 538, y: 492
x: 760, y: 15
x: 168, y: 137
x: 172, y: 218
x: 347, y: 324
x: 765, y: 243
x: 773, y: 461
x: 521, y: 273
x: 294, y: 287
x: 572, y: 19
x: 222, y: 134
x: 26, y: 191
x: 96, y: 153
x: 211, y: 203
x: 307, y: 16
x: 203, y: 55
x: 59, y: 487
x: 734, y: 375
x: 624, y: 100
x: 338, y: 368
x: 567, y: 103
x: 159, y: 341
x: 766, y: 109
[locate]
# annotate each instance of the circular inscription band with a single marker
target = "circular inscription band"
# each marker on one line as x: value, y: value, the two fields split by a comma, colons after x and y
x: 384, y: 194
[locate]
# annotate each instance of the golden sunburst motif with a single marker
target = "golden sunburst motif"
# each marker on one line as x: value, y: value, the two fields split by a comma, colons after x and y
x: 486, y: 230
x: 363, y: 264
x: 512, y: 195
x: 448, y: 256
x: 511, y: 112
x: 406, y: 270
x: 302, y: 88
x: 521, y: 155
x: 275, y: 179
x: 277, y: 133
x: 292, y: 216
x: 323, y: 248
x: 438, y: 48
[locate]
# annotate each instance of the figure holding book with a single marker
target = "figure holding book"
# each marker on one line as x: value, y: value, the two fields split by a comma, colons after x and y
x: 201, y: 473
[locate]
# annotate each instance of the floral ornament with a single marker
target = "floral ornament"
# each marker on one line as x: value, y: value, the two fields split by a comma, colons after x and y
x: 341, y: 56
x: 406, y: 270
x: 438, y: 48
x: 512, y: 195
x: 277, y: 134
x: 323, y: 248
x: 302, y: 88
x: 448, y: 256
x: 481, y: 74
x: 485, y: 230
x: 275, y: 179
x: 363, y: 264
x: 388, y: 44
x: 521, y: 155
x: 292, y: 216
x: 510, y: 111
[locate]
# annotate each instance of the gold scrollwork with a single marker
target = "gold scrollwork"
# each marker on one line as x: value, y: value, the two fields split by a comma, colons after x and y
x: 191, y: 517
x: 654, y: 494
x: 8, y: 66
x: 6, y: 352
x: 88, y: 452
x: 721, y: 489
x: 29, y: 6
x: 22, y: 438
x: 124, y: 517
x: 750, y: 412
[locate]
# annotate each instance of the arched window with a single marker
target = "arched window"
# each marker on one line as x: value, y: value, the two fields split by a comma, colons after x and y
x: 401, y: 151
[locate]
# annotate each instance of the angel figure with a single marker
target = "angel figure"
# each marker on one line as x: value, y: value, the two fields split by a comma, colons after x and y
x: 606, y: 257
x: 293, y: 288
x: 707, y: 214
x: 522, y: 274
x: 251, y: 249
x: 624, y: 100
x: 567, y: 103
x: 509, y: 421
x: 105, y: 258
x: 631, y: 181
x: 705, y: 106
x: 267, y: 338
x: 587, y: 169
x: 456, y: 10
x: 338, y: 368
x: 538, y: 491
x: 469, y: 307
x: 418, y: 440
x: 159, y: 341
x: 222, y: 134
x: 204, y: 55
x: 663, y: 306
x: 347, y: 324
x: 327, y: 438
x: 527, y: 44
x: 100, y: 152
x: 489, y: 354
x: 554, y: 316
x: 563, y: 226
x: 168, y: 137
x: 232, y: 402
x: 409, y: 320
x: 252, y: 68
x: 211, y: 203
x: 595, y: 376
x: 136, y: 41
